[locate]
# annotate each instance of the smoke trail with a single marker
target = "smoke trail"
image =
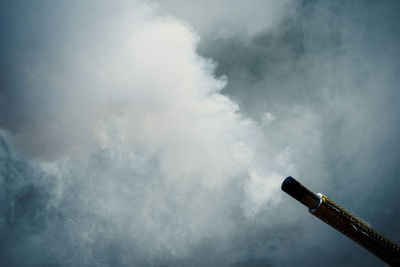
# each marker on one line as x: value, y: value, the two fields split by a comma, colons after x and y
x: 128, y: 154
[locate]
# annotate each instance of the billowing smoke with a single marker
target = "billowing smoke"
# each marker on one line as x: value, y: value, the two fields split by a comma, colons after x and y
x: 144, y: 133
x: 134, y: 155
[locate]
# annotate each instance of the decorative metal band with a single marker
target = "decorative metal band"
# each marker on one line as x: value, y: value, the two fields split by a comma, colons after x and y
x: 343, y: 221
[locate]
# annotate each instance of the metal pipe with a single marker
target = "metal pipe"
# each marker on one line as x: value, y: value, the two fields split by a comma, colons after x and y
x: 301, y: 193
x: 343, y: 221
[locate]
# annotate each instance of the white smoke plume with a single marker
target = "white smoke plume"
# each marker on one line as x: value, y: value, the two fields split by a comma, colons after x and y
x: 141, y: 150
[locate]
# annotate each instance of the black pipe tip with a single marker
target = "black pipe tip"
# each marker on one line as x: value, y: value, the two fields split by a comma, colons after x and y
x: 298, y: 191
x: 289, y: 184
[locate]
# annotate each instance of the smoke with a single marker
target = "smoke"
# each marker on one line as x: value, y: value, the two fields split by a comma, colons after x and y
x: 329, y: 76
x: 158, y: 133
x: 226, y: 19
x: 124, y: 151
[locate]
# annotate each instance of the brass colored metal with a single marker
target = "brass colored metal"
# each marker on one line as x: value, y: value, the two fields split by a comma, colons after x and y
x: 360, y: 232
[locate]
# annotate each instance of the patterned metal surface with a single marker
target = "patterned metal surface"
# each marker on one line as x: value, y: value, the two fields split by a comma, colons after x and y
x: 343, y: 221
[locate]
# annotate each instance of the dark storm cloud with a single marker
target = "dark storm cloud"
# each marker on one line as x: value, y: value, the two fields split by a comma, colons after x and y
x: 321, y: 78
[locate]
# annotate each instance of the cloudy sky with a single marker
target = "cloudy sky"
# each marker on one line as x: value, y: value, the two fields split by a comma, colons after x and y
x: 157, y: 133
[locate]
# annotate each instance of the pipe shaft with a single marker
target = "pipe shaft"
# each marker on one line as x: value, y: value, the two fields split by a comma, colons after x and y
x: 343, y: 221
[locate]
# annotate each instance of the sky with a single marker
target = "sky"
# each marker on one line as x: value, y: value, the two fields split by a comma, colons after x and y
x: 158, y: 133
